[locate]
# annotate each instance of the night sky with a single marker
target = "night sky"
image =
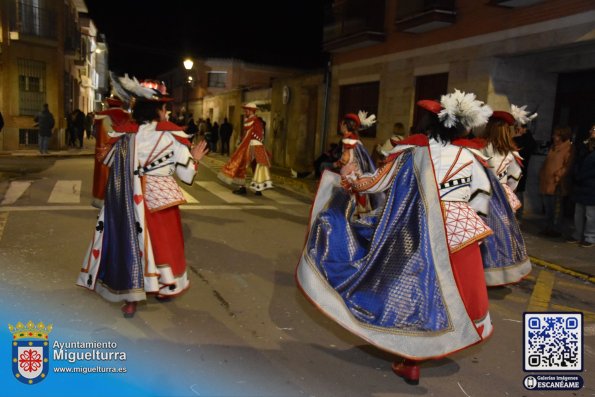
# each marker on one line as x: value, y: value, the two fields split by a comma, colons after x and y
x: 149, y: 37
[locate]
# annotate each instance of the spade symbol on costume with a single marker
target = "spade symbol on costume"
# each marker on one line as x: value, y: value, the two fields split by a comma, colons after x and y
x: 90, y: 281
x: 99, y: 227
x: 138, y: 228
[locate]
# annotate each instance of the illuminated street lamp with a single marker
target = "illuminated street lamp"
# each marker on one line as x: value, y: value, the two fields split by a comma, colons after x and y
x: 188, y: 63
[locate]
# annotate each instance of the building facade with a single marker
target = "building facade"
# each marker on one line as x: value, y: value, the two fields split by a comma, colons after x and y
x: 47, y: 55
x: 216, y: 88
x: 391, y: 53
x: 386, y: 55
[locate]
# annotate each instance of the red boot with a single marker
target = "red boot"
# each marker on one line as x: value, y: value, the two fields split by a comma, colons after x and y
x: 129, y: 309
x: 408, y: 370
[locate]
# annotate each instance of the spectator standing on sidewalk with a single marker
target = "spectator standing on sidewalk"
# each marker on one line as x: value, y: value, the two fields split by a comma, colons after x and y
x: 552, y: 180
x: 584, y: 192
x: 225, y: 132
x: 191, y: 129
x: 214, y: 137
x: 45, y: 123
x: 79, y: 126
x: 523, y: 139
x: 89, y: 124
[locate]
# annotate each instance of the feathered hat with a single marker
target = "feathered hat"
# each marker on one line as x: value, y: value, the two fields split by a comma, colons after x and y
x: 250, y: 105
x: 130, y: 89
x: 361, y: 119
x: 521, y: 116
x: 463, y: 108
x: 504, y: 116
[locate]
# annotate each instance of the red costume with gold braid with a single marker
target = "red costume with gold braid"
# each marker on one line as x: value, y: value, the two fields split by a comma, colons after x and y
x: 251, y: 149
x: 105, y: 123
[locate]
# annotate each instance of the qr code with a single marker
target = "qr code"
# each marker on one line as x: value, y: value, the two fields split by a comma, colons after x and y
x: 553, y: 341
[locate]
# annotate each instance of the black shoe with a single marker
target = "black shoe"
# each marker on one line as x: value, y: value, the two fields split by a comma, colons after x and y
x: 258, y: 193
x: 586, y: 244
x: 241, y: 190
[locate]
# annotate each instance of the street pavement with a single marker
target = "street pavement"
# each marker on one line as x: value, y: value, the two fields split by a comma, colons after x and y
x: 552, y: 252
x: 243, y: 328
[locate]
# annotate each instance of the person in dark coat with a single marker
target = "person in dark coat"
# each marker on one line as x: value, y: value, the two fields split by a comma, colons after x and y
x: 79, y: 126
x: 191, y: 129
x: 524, y: 141
x: 89, y: 124
x: 584, y: 193
x: 45, y: 123
x: 225, y: 134
x: 214, y: 137
x: 1, y: 122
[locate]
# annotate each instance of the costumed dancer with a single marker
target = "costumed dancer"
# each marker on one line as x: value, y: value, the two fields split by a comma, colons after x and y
x: 251, y: 151
x: 103, y: 124
x: 138, y: 245
x: 414, y: 286
x: 355, y: 160
x: 504, y: 255
x: 503, y: 157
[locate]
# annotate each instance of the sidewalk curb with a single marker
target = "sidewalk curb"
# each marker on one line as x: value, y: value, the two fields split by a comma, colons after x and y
x: 552, y: 266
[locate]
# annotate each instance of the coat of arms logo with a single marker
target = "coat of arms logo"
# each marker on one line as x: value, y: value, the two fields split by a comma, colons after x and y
x: 30, y: 351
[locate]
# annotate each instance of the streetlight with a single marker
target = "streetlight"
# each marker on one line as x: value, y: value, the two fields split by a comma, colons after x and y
x: 188, y: 63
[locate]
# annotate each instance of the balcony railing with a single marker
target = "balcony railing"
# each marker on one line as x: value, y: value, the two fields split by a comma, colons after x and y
x: 32, y: 21
x: 418, y: 16
x: 515, y: 3
x: 353, y: 24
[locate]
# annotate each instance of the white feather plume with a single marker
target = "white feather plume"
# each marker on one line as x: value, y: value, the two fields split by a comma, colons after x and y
x: 365, y: 120
x: 521, y: 115
x: 127, y: 87
x: 463, y: 108
x: 118, y: 88
x: 136, y: 89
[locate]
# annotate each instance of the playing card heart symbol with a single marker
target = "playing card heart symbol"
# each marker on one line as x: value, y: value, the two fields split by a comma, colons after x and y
x: 96, y: 253
x: 138, y: 198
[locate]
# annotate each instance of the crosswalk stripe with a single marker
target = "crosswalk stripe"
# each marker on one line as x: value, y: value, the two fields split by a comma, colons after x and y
x: 281, y: 198
x: 15, y: 190
x: 223, y: 193
x: 189, y: 198
x: 66, y: 192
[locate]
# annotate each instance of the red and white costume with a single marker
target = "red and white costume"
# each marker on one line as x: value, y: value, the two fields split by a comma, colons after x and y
x: 508, y: 170
x: 251, y: 150
x: 464, y: 191
x: 103, y: 125
x: 158, y: 151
